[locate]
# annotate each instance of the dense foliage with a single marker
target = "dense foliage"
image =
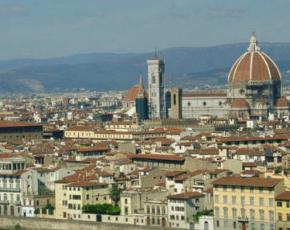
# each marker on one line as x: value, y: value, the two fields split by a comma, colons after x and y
x: 101, y: 209
x: 202, y: 213
x: 115, y: 193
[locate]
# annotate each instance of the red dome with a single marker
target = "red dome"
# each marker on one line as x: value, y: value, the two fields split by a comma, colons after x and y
x: 239, y: 103
x: 254, y: 65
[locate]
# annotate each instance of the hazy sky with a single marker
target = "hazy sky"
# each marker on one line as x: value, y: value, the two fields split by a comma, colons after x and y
x: 48, y: 28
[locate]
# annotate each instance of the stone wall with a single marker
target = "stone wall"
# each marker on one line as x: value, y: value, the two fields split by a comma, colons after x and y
x: 54, y: 224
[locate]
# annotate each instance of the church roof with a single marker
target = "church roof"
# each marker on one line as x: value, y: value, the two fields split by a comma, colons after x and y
x: 254, y: 65
x: 239, y: 103
x: 282, y: 102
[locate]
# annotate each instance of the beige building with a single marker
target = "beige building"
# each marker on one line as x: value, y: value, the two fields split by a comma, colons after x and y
x: 70, y: 197
x: 245, y: 202
x: 282, y: 206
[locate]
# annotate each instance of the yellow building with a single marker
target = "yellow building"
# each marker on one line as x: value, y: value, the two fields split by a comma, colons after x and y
x: 245, y: 203
x: 70, y: 197
x: 282, y: 205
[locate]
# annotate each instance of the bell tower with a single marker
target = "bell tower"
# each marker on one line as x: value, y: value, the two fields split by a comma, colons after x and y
x: 156, y: 88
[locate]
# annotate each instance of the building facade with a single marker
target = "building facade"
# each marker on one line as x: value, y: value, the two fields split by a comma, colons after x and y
x: 245, y: 203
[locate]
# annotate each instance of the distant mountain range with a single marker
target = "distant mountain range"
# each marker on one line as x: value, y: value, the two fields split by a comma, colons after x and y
x: 185, y: 67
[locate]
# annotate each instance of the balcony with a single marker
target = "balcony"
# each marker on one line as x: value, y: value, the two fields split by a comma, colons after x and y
x: 242, y: 219
x: 4, y: 202
x: 6, y: 189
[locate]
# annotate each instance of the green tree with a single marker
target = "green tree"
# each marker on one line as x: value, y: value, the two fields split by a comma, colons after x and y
x: 115, y: 193
x: 101, y: 209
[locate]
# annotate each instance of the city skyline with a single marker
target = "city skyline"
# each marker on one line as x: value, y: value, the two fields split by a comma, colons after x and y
x: 31, y: 29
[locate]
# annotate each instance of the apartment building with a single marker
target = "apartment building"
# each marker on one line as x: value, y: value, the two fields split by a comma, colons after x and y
x: 70, y: 197
x: 182, y: 207
x: 282, y: 206
x: 245, y: 203
x: 17, y: 186
x: 156, y: 212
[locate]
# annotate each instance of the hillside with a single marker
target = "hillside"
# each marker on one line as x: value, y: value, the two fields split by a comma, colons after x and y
x: 185, y: 67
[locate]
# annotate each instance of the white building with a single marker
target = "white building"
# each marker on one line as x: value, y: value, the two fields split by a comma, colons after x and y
x: 16, y: 185
x: 182, y: 207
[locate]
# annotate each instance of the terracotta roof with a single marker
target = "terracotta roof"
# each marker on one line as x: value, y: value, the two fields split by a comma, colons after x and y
x: 252, y: 138
x: 4, y: 124
x: 85, y: 184
x: 185, y: 196
x: 250, y: 152
x: 254, y: 65
x: 207, y: 151
x: 282, y: 102
x: 240, y: 103
x: 133, y: 93
x: 174, y: 173
x: 284, y: 196
x: 167, y: 157
x: 252, y: 181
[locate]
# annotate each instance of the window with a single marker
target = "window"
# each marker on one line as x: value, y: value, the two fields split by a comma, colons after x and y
x: 217, y: 212
x: 271, y: 202
x: 126, y: 201
x: 271, y: 215
x: 288, y: 217
x: 216, y: 198
x: 252, y: 200
x: 261, y: 214
x: 204, y: 103
x: 252, y: 214
x: 234, y: 210
x: 235, y: 224
x: 288, y: 204
x: 242, y: 188
x: 225, y: 199
x: 242, y: 200
x: 225, y: 212
x: 261, y: 190
x: 280, y: 216
x: 153, y: 79
x: 188, y: 104
x: 261, y: 201
x: 234, y: 199
x: 243, y: 213
x: 279, y: 204
x: 174, y: 99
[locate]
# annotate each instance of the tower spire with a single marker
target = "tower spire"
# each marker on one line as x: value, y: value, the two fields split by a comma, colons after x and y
x: 141, y: 83
x: 253, y: 43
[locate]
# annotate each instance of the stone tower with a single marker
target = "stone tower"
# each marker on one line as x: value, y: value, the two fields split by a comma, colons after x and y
x: 156, y: 88
x: 176, y: 103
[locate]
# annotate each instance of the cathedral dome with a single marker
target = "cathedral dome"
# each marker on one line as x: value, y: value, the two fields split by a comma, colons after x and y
x: 253, y: 66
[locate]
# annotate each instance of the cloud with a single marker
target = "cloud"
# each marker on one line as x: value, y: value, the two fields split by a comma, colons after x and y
x: 226, y: 13
x: 12, y: 10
